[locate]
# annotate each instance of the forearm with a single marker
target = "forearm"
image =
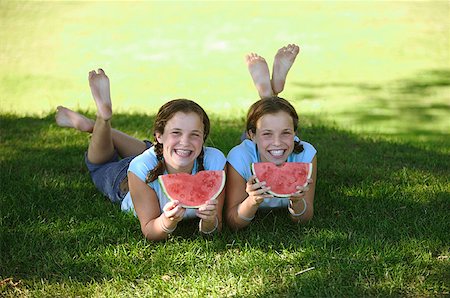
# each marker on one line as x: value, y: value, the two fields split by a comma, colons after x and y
x: 209, y: 227
x: 159, y: 228
x: 241, y: 215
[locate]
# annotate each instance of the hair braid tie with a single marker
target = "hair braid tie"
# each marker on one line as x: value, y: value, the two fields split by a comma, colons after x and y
x: 200, y: 166
x: 298, y: 147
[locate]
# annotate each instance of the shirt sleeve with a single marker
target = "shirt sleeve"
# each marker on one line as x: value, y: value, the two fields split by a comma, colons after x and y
x: 308, y: 153
x: 143, y: 163
x: 214, y: 159
x: 240, y: 159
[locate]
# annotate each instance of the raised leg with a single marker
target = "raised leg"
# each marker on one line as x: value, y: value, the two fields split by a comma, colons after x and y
x: 125, y: 144
x: 101, y: 146
x: 257, y: 66
x: 68, y: 118
x: 283, y: 61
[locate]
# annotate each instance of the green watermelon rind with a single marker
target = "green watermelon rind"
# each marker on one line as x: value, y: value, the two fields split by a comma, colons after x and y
x: 161, y: 183
x: 283, y: 195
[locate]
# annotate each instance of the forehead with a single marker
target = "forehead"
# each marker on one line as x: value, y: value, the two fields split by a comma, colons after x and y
x: 182, y: 120
x: 278, y: 120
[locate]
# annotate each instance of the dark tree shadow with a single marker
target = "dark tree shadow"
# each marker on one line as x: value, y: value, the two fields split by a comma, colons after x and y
x: 362, y: 195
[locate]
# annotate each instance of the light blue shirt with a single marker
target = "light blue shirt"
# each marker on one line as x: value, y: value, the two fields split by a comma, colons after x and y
x: 213, y: 159
x: 243, y: 155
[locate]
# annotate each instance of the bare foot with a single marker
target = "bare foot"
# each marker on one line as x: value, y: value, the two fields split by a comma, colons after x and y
x: 100, y: 90
x: 257, y: 66
x: 283, y: 61
x: 68, y: 118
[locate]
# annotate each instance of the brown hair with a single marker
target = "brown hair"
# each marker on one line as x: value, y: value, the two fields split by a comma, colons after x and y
x: 272, y: 105
x: 165, y: 113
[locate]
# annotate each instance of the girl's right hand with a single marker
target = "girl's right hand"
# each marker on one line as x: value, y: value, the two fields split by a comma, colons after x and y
x: 173, y: 211
x: 257, y: 191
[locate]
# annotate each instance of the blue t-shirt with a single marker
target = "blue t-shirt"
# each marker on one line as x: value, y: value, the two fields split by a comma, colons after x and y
x: 243, y: 155
x: 141, y: 164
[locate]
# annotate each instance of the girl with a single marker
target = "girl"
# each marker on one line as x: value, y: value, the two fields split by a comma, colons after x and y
x: 271, y: 128
x: 180, y: 129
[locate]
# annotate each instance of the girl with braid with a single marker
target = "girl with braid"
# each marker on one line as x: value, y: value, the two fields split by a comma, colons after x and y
x: 271, y: 128
x: 180, y: 130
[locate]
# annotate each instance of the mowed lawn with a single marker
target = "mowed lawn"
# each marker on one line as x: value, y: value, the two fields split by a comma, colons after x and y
x: 374, y: 101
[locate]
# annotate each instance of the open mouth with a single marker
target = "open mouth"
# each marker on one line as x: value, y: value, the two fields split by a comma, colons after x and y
x: 277, y: 153
x: 183, y: 153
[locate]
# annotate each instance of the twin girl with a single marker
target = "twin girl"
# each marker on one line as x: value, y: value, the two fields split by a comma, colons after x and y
x: 126, y: 169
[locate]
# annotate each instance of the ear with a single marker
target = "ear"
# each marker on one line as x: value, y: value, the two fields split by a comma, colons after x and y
x: 251, y: 135
x: 158, y: 137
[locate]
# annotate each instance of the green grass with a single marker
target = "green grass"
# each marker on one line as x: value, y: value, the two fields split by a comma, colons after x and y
x: 380, y: 226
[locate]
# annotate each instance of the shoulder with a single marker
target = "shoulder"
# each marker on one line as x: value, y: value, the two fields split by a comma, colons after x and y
x: 241, y: 156
x: 307, y: 155
x: 141, y: 164
x: 214, y: 159
x: 308, y: 147
x: 245, y: 150
x: 211, y: 152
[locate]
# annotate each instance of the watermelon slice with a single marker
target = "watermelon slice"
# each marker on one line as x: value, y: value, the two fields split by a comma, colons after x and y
x: 193, y: 190
x: 282, y: 179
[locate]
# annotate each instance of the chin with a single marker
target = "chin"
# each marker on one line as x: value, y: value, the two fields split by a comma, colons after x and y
x: 277, y: 161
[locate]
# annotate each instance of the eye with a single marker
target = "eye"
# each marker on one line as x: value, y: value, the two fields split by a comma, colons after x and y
x: 175, y: 133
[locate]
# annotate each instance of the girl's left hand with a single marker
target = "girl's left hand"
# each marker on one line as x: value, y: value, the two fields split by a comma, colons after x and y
x: 208, y: 212
x: 297, y: 196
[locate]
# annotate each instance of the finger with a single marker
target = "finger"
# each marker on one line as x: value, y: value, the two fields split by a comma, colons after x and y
x: 172, y: 211
x: 301, y: 189
x: 207, y: 208
x: 252, y: 179
x: 179, y: 214
x: 261, y: 191
x: 298, y: 195
x: 255, y: 186
x: 211, y: 203
x: 171, y: 205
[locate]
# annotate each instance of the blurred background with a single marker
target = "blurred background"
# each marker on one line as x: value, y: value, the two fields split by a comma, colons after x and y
x: 377, y: 67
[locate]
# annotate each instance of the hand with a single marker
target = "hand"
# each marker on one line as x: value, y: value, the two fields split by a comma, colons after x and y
x: 208, y: 212
x: 257, y: 191
x: 173, y: 211
x: 300, y: 193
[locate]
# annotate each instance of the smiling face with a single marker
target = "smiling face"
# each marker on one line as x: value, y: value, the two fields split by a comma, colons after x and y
x: 274, y: 137
x: 182, y: 141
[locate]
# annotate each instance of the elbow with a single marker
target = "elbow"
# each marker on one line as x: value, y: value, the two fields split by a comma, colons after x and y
x: 231, y: 223
x: 152, y: 236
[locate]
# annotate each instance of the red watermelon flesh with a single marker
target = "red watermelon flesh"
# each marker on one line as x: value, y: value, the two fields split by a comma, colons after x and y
x: 193, y: 190
x: 283, y: 179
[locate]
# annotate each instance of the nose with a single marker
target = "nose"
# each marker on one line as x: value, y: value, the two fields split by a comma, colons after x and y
x: 276, y: 140
x: 184, y: 139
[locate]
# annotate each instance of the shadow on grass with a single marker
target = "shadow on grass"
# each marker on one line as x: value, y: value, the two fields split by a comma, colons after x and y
x: 408, y: 108
x: 371, y: 194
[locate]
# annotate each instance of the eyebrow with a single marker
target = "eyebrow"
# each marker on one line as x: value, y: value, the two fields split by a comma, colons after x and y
x: 180, y: 129
x: 270, y: 130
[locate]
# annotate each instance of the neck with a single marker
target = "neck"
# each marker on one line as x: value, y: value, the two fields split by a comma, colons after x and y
x: 174, y: 170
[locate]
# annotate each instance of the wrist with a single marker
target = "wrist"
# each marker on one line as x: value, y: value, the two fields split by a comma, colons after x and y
x: 211, y: 230
x: 245, y: 216
x: 167, y: 225
x: 297, y: 210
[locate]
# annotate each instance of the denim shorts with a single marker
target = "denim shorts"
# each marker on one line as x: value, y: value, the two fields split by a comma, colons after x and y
x: 108, y: 176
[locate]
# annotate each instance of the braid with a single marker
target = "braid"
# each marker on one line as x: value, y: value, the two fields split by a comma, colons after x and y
x: 200, y: 166
x: 159, y: 169
x: 298, y: 147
